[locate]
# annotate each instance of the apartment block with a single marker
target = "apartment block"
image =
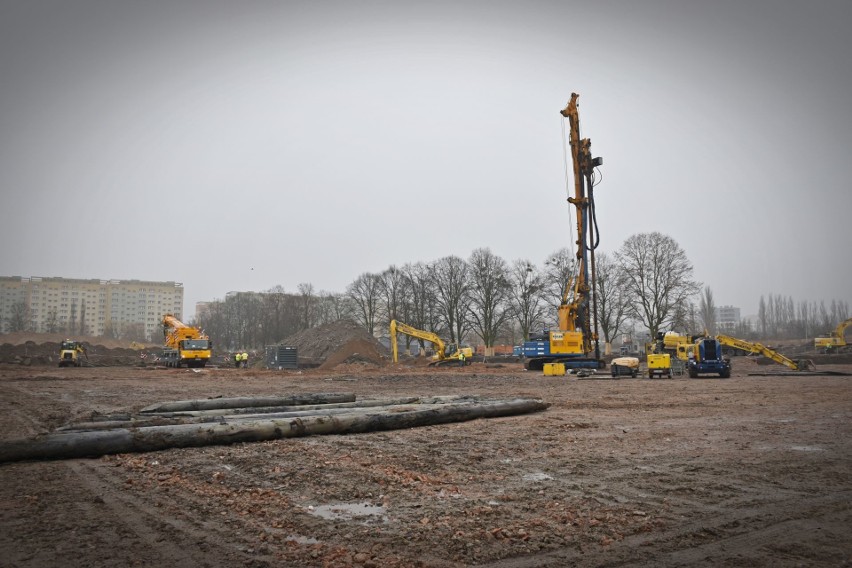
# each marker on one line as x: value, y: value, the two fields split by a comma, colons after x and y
x: 67, y: 304
x: 727, y: 318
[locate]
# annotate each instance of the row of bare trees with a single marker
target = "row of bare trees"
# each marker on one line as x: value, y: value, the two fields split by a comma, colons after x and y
x: 482, y: 298
x: 647, y: 283
x: 782, y: 318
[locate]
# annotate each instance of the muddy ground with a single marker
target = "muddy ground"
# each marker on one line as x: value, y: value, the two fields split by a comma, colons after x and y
x: 748, y: 471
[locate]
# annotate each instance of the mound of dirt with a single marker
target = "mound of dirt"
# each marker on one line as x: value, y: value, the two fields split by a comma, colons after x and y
x: 340, y: 342
x: 47, y: 353
x: 20, y: 338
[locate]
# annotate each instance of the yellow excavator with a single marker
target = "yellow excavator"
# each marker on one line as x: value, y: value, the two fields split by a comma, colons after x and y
x: 185, y: 345
x: 835, y: 339
x: 750, y: 347
x: 444, y: 354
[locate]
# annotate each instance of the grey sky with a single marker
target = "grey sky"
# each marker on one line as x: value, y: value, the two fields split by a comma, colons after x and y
x: 240, y: 145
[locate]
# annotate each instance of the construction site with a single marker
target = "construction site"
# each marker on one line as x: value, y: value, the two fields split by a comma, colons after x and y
x: 702, y: 449
x: 750, y: 470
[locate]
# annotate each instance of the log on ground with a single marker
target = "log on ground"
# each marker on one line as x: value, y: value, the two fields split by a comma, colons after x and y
x: 244, y: 402
x: 67, y: 445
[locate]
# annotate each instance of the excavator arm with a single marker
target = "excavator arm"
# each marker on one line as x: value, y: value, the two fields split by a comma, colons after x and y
x: 399, y: 327
x: 800, y: 365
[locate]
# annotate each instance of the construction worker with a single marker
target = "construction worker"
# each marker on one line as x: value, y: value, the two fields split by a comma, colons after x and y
x: 244, y: 357
x: 461, y: 358
x: 237, y: 358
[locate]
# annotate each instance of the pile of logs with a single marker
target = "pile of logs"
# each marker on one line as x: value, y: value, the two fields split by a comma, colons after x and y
x: 222, y: 421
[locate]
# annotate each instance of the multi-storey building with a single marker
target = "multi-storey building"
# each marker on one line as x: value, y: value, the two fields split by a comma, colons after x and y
x: 727, y: 318
x: 89, y: 307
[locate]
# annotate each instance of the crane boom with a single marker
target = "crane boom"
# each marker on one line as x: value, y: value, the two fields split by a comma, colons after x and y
x: 184, y: 344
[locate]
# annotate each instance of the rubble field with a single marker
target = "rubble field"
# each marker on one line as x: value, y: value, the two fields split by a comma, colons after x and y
x: 746, y: 471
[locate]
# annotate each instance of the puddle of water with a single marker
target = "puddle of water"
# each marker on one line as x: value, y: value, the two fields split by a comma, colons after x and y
x: 298, y: 539
x: 364, y: 512
x: 539, y: 476
x: 807, y: 448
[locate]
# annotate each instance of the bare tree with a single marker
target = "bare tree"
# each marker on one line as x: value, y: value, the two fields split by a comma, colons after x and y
x: 330, y: 307
x: 526, y: 289
x: 365, y: 293
x: 307, y: 305
x: 20, y: 318
x: 392, y: 288
x: 708, y: 311
x: 51, y: 321
x: 489, y: 294
x: 421, y: 306
x: 451, y: 282
x: 612, y: 297
x: 658, y: 278
x: 559, y: 271
x: 763, y: 317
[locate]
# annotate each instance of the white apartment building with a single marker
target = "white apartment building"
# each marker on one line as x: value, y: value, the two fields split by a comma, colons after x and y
x: 727, y: 318
x: 67, y: 303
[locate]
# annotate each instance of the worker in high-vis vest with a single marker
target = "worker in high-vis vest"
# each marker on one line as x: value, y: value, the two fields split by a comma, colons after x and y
x: 245, y: 360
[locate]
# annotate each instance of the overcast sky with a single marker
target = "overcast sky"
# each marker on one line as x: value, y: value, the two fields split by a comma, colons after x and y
x: 241, y: 145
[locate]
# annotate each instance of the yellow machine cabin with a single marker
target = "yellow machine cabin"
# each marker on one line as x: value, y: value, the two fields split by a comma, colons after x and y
x: 184, y: 344
x: 835, y: 339
x: 69, y: 354
x: 444, y: 354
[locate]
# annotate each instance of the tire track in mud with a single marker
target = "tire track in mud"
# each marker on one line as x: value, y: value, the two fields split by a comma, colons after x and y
x: 153, y: 535
x: 815, y: 528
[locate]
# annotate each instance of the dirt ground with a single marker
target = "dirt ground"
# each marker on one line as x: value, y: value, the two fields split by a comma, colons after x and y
x: 748, y: 471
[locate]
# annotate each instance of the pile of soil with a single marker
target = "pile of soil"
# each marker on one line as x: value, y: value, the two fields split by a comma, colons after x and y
x: 337, y: 343
x: 43, y: 349
x: 20, y: 338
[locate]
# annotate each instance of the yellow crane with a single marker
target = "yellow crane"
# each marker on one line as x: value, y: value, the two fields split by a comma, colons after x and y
x: 835, y: 339
x: 184, y: 344
x: 799, y: 365
x: 444, y: 354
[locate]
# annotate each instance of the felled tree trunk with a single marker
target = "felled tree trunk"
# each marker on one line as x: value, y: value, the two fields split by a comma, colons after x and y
x: 92, y: 444
x: 244, y: 402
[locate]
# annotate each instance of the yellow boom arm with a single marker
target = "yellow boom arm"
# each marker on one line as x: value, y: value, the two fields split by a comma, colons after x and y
x: 800, y: 365
x: 399, y: 327
x: 175, y: 330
